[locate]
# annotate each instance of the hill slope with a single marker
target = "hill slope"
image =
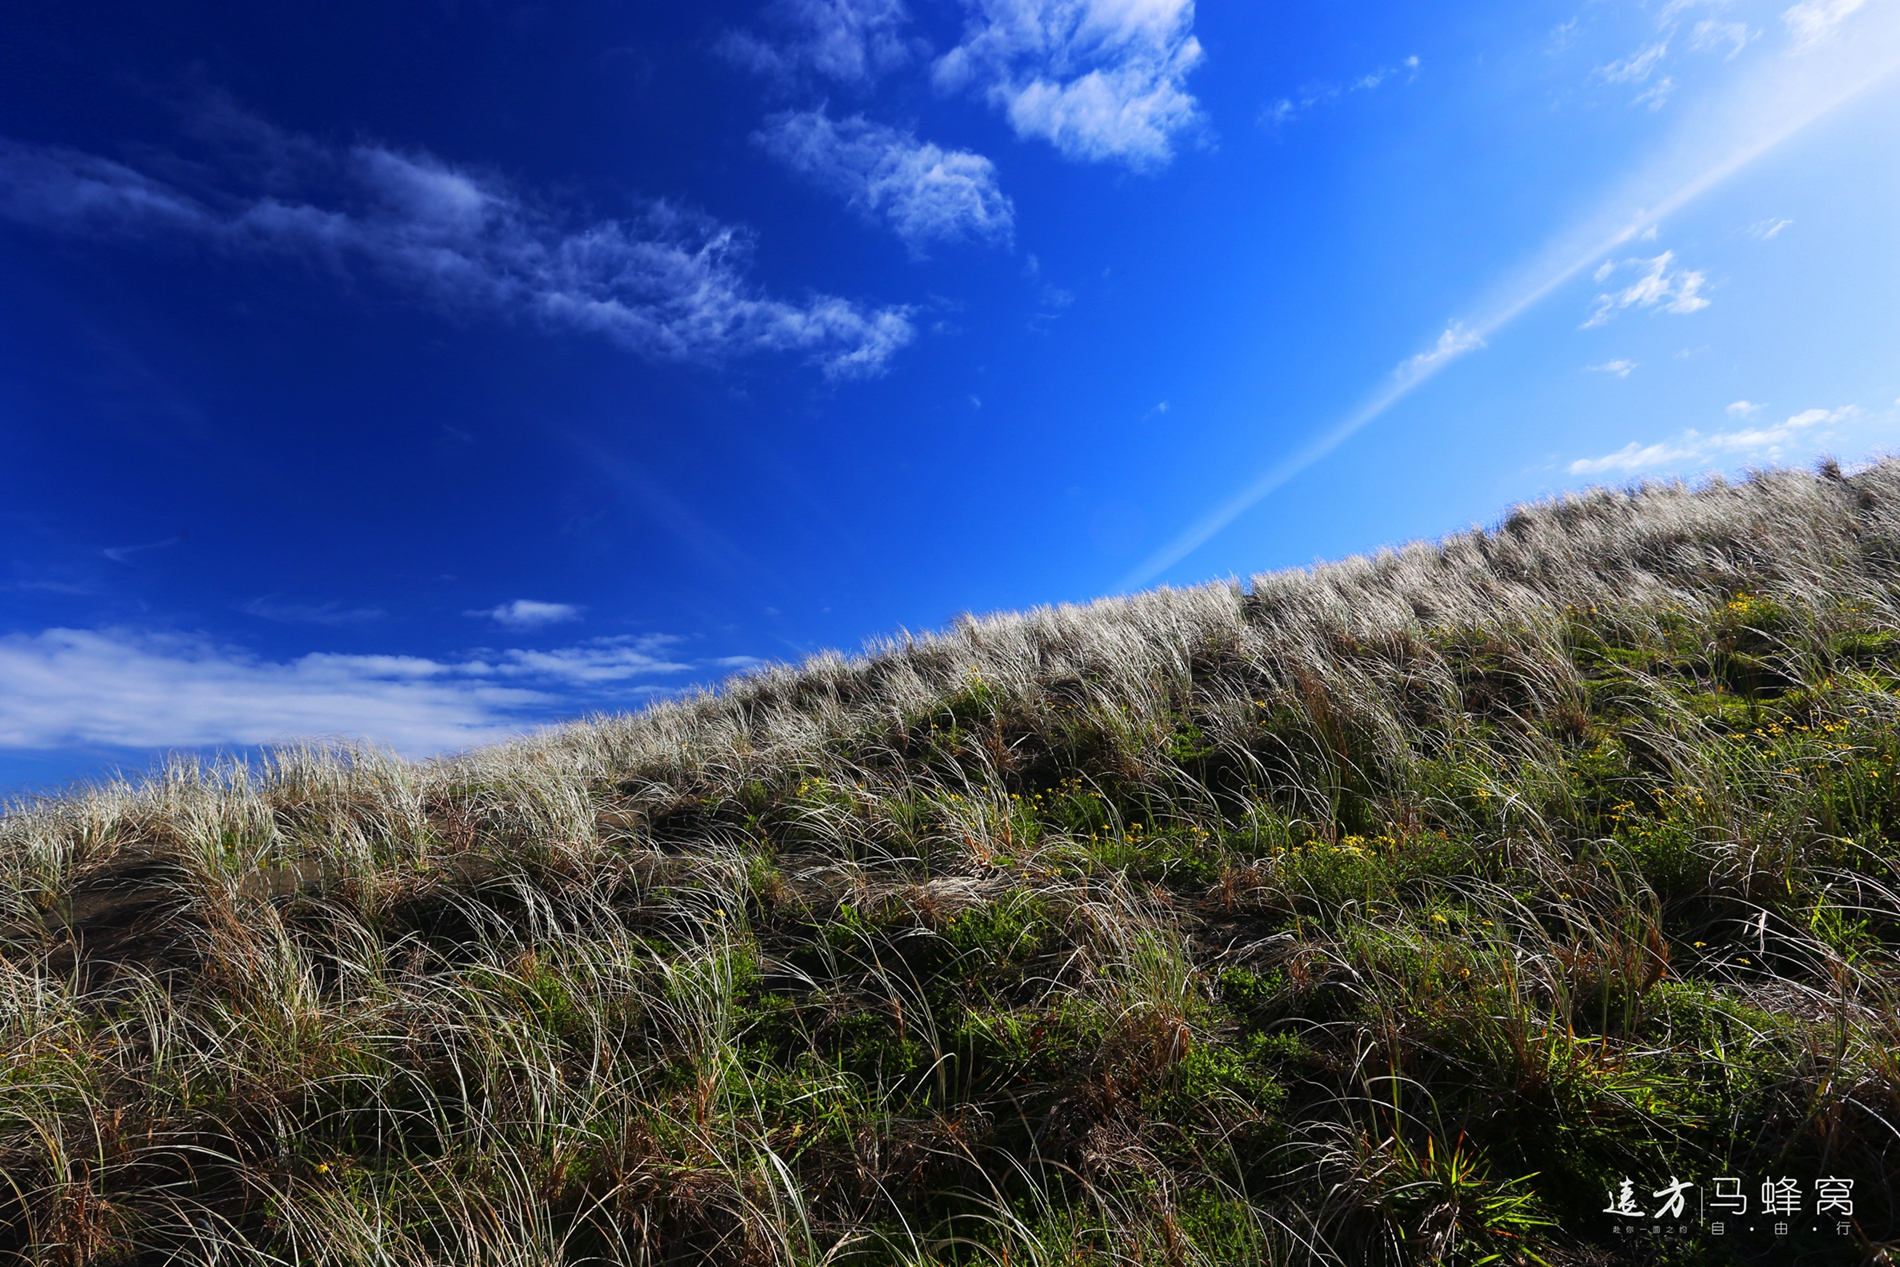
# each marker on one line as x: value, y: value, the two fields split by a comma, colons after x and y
x: 1394, y: 910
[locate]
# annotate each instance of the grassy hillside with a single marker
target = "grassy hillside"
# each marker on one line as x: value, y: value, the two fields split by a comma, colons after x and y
x: 1392, y: 911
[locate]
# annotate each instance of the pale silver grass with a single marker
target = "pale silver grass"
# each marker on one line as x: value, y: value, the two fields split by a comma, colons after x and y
x: 615, y: 865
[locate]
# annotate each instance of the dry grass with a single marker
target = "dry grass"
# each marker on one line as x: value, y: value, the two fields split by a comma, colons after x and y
x: 1381, y: 912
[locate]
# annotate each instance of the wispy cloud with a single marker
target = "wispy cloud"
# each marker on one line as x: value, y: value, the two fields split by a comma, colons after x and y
x: 1101, y: 80
x: 123, y: 688
x: 666, y: 282
x: 1657, y: 95
x: 123, y: 554
x: 1712, y: 34
x: 1673, y: 290
x: 926, y: 194
x: 528, y: 613
x: 595, y: 662
x: 851, y: 42
x: 1745, y: 409
x: 330, y: 613
x: 1457, y: 340
x: 1692, y: 446
x: 1762, y: 230
x: 1813, y: 21
x: 1620, y: 368
x: 72, y: 686
x: 1638, y: 66
x: 1051, y: 302
x: 1286, y: 109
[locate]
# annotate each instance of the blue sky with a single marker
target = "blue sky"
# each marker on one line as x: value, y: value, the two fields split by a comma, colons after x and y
x: 426, y: 373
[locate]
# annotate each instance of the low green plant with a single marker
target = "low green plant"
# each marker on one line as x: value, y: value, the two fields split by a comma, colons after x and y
x: 1385, y: 912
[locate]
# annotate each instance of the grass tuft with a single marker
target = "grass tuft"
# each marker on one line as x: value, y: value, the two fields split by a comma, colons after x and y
x: 1389, y: 911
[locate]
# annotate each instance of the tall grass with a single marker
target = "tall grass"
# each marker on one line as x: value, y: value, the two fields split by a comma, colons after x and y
x: 1386, y: 911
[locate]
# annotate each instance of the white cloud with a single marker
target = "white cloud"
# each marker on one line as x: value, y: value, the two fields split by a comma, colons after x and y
x: 1286, y: 109
x: 1273, y: 114
x: 1745, y: 409
x: 1762, y: 230
x: 592, y: 663
x: 122, y: 688
x: 123, y: 554
x: 69, y: 687
x: 666, y: 283
x: 1052, y: 301
x: 1812, y: 21
x: 1101, y: 80
x: 331, y: 613
x: 1637, y: 66
x: 1456, y: 340
x: 1666, y: 20
x: 924, y: 193
x: 854, y: 42
x: 1768, y: 443
x: 527, y: 613
x: 1620, y: 368
x: 1709, y: 34
x: 1367, y: 82
x: 47, y: 184
x: 1656, y: 96
x: 1674, y: 290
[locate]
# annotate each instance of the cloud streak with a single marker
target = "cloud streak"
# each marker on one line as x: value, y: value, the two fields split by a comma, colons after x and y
x: 1286, y: 109
x: 1637, y: 66
x: 1813, y: 21
x: 666, y: 283
x: 923, y: 193
x: 1677, y: 290
x: 331, y: 613
x: 528, y: 613
x: 1693, y: 446
x: 123, y: 688
x: 851, y: 42
x: 1758, y: 114
x: 1712, y: 34
x: 1101, y: 80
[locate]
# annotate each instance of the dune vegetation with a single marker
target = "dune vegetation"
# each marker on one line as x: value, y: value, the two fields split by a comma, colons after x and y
x: 1388, y: 911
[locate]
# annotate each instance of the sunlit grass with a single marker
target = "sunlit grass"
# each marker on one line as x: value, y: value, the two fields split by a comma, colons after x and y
x: 1386, y: 912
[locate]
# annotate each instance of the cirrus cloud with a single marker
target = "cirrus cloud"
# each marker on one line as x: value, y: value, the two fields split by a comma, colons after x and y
x: 528, y: 613
x: 131, y: 689
x: 1692, y: 446
x: 1813, y: 21
x: 924, y: 193
x: 666, y: 282
x: 1674, y: 290
x: 1101, y: 80
x: 851, y: 42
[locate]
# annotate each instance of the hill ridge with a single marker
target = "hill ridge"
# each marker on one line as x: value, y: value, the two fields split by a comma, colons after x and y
x: 1386, y: 910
